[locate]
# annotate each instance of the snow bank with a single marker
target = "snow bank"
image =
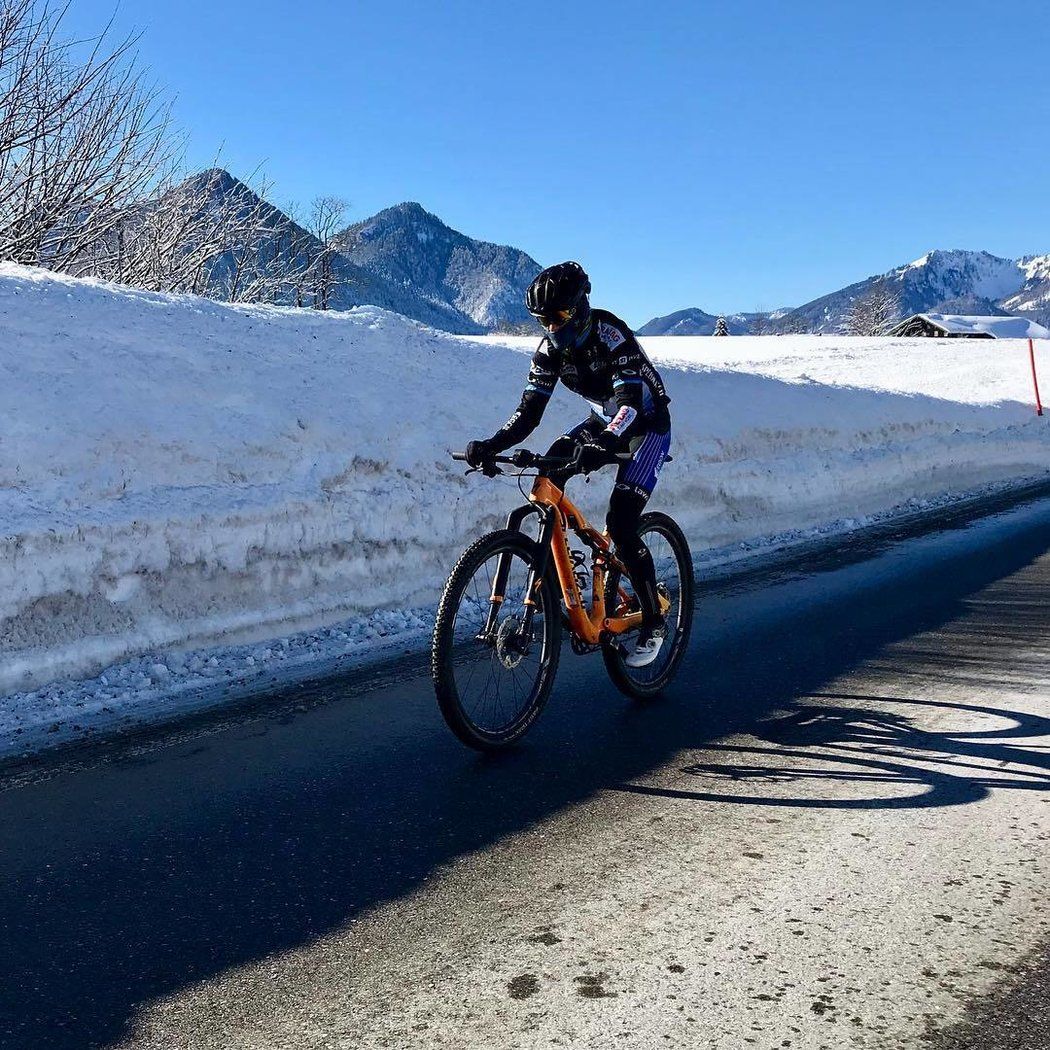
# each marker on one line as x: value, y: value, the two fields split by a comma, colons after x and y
x: 180, y: 473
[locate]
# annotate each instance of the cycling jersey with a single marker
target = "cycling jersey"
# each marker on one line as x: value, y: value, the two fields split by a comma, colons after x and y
x: 608, y: 368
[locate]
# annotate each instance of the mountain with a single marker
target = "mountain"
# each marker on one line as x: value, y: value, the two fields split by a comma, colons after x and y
x: 692, y: 321
x: 408, y: 247
x: 941, y: 282
x: 1034, y: 296
x: 407, y: 260
x: 695, y: 321
x: 403, y: 259
x: 948, y: 282
x: 278, y: 239
x: 970, y: 306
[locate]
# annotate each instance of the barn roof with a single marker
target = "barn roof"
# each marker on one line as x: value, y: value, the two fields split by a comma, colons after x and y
x: 997, y: 327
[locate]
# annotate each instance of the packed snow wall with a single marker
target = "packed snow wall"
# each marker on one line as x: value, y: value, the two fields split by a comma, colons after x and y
x: 176, y: 472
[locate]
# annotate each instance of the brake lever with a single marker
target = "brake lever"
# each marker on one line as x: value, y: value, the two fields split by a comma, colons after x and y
x: 524, y: 459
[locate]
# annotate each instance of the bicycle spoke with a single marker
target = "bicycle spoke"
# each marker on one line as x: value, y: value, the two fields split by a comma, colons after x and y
x: 669, y: 582
x: 497, y: 697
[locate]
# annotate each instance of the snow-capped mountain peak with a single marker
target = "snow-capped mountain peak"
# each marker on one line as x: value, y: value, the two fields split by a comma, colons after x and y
x: 1034, y: 296
x: 953, y: 280
x: 958, y: 272
x: 1035, y: 267
x: 966, y: 281
x: 410, y: 246
x: 403, y: 259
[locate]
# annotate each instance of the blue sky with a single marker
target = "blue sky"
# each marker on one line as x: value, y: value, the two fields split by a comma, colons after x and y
x: 727, y: 155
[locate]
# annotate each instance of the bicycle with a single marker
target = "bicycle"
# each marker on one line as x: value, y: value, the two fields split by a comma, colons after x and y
x: 497, y: 636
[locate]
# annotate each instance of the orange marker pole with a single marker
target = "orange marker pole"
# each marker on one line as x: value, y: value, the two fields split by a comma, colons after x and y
x: 1035, y: 378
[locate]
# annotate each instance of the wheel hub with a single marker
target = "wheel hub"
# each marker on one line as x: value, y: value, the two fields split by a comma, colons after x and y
x: 509, y: 648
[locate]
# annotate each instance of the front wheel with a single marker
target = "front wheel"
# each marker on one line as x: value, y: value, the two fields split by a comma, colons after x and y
x: 674, y: 580
x: 493, y: 664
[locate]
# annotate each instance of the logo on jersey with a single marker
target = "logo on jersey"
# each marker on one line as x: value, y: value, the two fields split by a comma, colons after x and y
x: 622, y: 420
x: 610, y: 335
x: 638, y: 490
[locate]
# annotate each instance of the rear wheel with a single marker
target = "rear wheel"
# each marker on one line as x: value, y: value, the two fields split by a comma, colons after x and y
x: 491, y: 674
x: 674, y: 580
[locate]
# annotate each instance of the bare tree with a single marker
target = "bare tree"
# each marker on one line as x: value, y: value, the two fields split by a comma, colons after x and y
x: 301, y: 246
x: 88, y: 181
x: 760, y: 324
x: 874, y: 313
x: 263, y: 257
x: 82, y: 136
x: 212, y: 235
x: 171, y: 241
x: 327, y: 218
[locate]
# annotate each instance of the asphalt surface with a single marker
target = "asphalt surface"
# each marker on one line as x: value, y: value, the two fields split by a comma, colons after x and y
x: 1017, y: 1017
x: 832, y: 832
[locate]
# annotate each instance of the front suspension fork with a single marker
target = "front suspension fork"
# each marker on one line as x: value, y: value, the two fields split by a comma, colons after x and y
x: 536, y: 572
x: 539, y: 568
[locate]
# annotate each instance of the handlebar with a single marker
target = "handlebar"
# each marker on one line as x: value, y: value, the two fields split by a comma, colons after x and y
x: 525, y: 459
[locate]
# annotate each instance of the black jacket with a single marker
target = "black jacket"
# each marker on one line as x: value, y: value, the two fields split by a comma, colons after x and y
x: 610, y: 369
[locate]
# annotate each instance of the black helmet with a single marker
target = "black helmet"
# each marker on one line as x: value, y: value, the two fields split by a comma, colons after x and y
x: 557, y: 298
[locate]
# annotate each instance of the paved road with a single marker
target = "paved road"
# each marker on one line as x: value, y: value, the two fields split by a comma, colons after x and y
x: 832, y: 833
x: 1017, y: 1017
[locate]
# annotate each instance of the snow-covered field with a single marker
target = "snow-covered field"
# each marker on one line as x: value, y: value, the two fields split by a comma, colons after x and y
x: 177, y: 474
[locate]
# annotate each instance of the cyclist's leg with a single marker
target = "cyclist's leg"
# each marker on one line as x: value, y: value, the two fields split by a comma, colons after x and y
x: 584, y: 431
x: 635, y: 482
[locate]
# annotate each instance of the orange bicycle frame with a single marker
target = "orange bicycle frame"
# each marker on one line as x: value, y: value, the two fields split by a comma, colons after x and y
x: 587, y: 624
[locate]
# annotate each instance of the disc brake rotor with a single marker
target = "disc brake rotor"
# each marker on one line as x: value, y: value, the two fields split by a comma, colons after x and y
x: 509, y: 650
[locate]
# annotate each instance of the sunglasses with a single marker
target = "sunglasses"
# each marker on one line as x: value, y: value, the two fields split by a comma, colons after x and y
x: 552, y: 322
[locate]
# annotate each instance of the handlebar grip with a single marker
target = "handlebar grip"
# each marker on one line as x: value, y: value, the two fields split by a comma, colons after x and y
x: 461, y: 456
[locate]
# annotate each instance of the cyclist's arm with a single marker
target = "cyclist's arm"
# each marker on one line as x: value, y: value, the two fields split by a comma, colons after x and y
x: 527, y: 416
x: 629, y: 421
x: 628, y: 389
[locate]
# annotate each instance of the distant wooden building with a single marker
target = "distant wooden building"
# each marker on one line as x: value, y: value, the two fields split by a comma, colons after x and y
x: 960, y: 326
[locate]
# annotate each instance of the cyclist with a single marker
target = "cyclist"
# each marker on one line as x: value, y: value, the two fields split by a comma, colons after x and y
x: 596, y: 355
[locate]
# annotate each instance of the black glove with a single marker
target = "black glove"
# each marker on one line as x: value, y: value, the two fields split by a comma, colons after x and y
x: 593, y: 457
x: 479, y: 454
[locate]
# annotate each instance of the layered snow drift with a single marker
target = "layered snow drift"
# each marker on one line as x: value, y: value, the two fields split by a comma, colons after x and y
x: 180, y: 473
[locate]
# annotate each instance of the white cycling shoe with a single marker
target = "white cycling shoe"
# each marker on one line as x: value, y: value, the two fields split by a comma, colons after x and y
x: 647, y: 646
